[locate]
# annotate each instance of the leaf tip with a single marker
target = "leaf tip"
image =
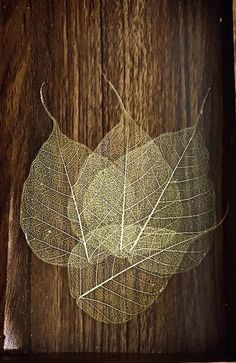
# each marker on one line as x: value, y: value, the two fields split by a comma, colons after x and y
x: 44, y: 104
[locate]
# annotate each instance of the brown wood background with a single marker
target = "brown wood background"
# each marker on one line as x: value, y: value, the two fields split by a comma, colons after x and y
x: 229, y: 68
x: 161, y: 56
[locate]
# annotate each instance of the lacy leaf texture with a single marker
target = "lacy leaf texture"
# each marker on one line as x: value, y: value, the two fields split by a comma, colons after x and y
x: 124, y: 218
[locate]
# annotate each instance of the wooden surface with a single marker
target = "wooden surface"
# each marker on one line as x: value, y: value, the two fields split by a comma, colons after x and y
x: 230, y: 170
x: 234, y: 40
x: 113, y: 357
x: 161, y: 56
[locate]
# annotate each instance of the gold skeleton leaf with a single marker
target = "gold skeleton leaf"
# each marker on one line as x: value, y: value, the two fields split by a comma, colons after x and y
x: 124, y: 218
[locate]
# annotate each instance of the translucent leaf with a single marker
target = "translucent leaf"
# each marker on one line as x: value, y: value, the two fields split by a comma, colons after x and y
x: 124, y: 218
x: 44, y: 217
x: 171, y: 233
x: 104, y: 190
x: 113, y: 291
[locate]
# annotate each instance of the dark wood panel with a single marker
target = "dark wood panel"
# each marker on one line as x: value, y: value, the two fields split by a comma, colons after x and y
x: 230, y: 171
x: 161, y: 56
x: 16, y: 152
x: 114, y: 357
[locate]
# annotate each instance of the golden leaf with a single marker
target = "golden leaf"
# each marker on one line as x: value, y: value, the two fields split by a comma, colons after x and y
x: 123, y: 218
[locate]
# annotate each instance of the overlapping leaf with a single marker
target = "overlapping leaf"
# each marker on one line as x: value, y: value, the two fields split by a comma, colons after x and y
x: 123, y: 218
x: 113, y: 291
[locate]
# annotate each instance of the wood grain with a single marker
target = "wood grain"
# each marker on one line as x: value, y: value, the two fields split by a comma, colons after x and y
x: 11, y: 357
x: 230, y: 170
x: 161, y: 56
